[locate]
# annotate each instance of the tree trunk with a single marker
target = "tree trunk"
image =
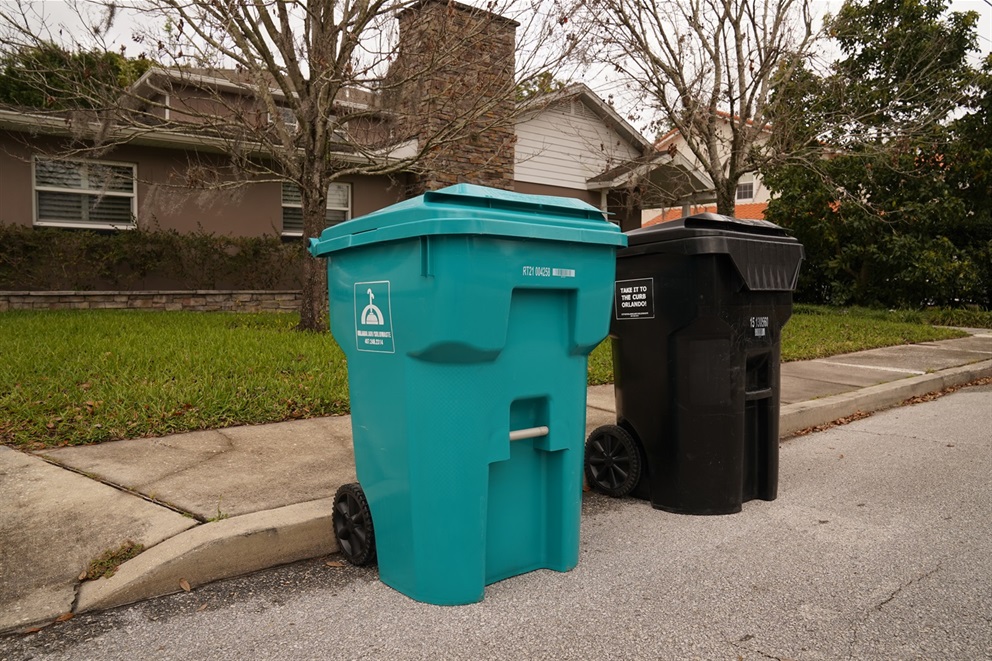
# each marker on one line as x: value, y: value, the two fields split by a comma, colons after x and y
x: 726, y: 198
x: 313, y: 296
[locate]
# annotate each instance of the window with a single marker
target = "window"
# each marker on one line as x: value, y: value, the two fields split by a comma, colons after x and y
x: 745, y: 188
x: 288, y: 118
x: 89, y: 194
x: 338, y: 207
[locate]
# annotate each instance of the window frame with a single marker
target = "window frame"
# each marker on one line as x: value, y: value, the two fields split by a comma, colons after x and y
x: 288, y: 118
x: 750, y: 181
x: 328, y: 207
x: 83, y: 192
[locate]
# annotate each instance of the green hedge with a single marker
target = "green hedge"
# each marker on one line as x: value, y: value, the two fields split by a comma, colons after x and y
x: 44, y: 259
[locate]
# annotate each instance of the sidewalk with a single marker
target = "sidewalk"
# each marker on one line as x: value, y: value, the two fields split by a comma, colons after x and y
x: 213, y: 504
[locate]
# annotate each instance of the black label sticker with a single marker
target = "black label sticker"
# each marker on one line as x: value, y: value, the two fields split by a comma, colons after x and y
x: 634, y: 299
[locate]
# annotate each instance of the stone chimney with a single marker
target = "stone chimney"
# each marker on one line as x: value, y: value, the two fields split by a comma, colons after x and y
x: 453, y: 78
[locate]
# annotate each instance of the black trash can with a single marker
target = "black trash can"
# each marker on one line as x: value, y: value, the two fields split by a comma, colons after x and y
x: 699, y: 307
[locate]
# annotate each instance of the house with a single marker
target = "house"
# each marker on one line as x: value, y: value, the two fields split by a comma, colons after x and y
x: 160, y: 173
x: 572, y: 141
x: 562, y: 143
x: 752, y: 196
x: 169, y: 170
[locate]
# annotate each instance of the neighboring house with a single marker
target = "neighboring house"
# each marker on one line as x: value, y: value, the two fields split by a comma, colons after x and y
x: 156, y: 180
x: 163, y: 172
x: 571, y: 141
x: 751, y: 211
x: 566, y: 139
x: 562, y: 143
x: 568, y: 143
x: 752, y: 196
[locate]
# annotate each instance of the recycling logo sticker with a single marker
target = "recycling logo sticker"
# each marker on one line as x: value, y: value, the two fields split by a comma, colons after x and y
x: 373, y: 317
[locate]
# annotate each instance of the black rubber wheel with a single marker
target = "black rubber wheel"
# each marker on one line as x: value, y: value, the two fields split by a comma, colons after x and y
x: 613, y: 461
x: 352, y: 520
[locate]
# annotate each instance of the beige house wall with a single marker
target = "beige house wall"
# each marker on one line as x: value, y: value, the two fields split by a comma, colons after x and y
x: 192, y: 105
x: 16, y: 205
x: 592, y: 197
x: 761, y: 194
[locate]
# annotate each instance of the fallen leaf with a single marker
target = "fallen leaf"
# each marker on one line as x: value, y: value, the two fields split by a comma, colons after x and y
x: 82, y: 577
x: 184, y: 584
x: 65, y: 617
x: 31, y: 630
x: 202, y: 607
x: 334, y: 563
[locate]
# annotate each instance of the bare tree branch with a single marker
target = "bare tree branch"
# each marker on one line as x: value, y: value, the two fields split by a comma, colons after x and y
x: 311, y: 92
x: 707, y: 69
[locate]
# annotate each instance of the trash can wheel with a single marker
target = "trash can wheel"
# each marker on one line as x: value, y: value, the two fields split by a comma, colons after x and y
x: 613, y: 461
x: 352, y: 520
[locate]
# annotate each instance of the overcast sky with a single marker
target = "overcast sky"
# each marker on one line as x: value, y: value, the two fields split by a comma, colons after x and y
x: 984, y: 9
x: 57, y: 12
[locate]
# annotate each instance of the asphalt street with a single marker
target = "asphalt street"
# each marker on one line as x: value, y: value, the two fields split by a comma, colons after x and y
x: 878, y: 547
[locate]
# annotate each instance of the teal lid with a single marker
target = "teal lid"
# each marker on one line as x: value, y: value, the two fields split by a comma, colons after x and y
x: 471, y: 209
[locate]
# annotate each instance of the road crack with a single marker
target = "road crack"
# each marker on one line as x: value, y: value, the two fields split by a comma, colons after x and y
x: 908, y: 584
x: 736, y: 644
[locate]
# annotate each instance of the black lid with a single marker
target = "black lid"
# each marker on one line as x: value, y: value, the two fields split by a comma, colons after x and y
x: 702, y: 224
x: 764, y: 254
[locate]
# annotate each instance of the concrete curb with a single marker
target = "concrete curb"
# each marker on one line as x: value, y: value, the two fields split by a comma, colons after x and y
x: 251, y: 542
x: 217, y: 550
x: 802, y: 415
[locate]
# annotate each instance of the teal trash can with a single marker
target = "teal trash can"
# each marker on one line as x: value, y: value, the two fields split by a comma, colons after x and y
x: 467, y: 315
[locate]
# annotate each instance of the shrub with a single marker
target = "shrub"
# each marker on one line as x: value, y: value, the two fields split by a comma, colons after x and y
x: 48, y: 259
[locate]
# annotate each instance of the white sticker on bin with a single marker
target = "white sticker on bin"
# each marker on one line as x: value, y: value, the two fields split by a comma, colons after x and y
x: 530, y: 432
x: 373, y: 317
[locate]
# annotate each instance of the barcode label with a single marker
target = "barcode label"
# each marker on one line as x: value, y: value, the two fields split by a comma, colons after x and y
x: 548, y: 272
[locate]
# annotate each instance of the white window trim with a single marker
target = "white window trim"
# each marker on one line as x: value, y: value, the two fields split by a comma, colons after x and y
x: 82, y: 224
x: 347, y: 211
x: 751, y: 179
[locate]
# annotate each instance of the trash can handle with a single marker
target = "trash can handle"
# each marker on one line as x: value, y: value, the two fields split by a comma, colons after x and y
x: 530, y: 432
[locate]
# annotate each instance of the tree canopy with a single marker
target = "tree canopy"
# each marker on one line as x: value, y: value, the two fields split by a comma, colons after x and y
x: 888, y: 188
x: 49, y: 77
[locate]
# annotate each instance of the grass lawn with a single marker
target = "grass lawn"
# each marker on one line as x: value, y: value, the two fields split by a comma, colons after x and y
x: 817, y: 331
x: 75, y: 377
